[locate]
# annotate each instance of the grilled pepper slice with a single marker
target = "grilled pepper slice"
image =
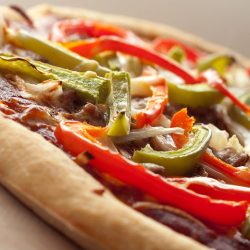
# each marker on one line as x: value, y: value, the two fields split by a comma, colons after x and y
x: 54, y: 53
x: 240, y: 116
x: 218, y: 62
x: 182, y: 161
x: 120, y: 104
x: 197, y: 95
x: 89, y: 86
x: 217, y: 212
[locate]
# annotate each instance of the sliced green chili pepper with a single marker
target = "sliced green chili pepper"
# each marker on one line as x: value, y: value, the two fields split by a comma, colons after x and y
x: 196, y: 95
x: 177, y: 53
x: 53, y: 52
x: 182, y: 161
x: 120, y: 104
x: 218, y: 62
x: 240, y: 116
x: 89, y: 86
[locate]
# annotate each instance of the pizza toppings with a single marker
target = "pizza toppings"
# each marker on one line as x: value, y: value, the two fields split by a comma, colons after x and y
x: 218, y: 62
x: 120, y: 104
x: 154, y: 107
x: 137, y: 176
x: 178, y: 162
x: 165, y: 45
x: 62, y: 30
x: 107, y: 119
x: 227, y: 172
x: 54, y: 53
x: 89, y: 87
x: 214, y: 188
x: 197, y: 95
x: 90, y: 47
x: 238, y: 114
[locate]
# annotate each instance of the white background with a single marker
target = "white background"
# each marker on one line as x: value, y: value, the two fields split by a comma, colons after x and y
x: 223, y: 21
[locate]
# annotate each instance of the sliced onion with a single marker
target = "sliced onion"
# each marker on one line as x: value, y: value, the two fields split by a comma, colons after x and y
x: 161, y: 143
x: 219, y: 138
x: 139, y: 134
x: 241, y: 132
x: 107, y: 142
x: 163, y: 121
x: 48, y: 91
x: 140, y: 86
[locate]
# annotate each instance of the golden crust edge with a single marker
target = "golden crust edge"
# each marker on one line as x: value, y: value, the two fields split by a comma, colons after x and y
x: 53, y: 186
x: 140, y: 26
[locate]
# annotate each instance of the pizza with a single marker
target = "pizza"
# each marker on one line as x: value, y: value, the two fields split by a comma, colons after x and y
x: 125, y: 134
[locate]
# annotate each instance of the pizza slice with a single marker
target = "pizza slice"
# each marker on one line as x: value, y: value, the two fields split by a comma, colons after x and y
x: 124, y: 134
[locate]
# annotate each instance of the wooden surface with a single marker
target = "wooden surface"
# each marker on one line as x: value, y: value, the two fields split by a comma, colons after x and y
x: 23, y: 230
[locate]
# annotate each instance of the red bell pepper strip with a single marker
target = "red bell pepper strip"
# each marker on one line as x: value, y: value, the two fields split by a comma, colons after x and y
x: 220, y: 212
x: 183, y: 120
x: 90, y: 47
x: 62, y: 29
x: 214, y: 188
x: 155, y: 106
x: 240, y: 176
x: 164, y: 45
x: 93, y: 132
x: 213, y: 79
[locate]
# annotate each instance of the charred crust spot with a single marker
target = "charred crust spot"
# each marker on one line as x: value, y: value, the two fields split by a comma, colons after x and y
x: 99, y: 191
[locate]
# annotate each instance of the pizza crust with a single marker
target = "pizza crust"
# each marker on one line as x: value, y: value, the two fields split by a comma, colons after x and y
x: 62, y: 193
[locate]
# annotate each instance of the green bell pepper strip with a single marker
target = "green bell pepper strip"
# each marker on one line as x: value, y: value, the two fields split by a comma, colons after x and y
x: 217, y: 212
x: 197, y: 95
x: 218, y: 62
x: 94, y: 89
x: 53, y: 52
x: 240, y: 116
x: 177, y: 54
x: 120, y: 104
x: 179, y: 162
